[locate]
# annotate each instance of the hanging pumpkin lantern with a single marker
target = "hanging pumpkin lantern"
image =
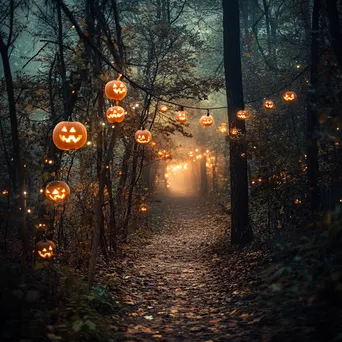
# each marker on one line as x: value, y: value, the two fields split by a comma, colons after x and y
x: 207, y: 120
x: 234, y: 131
x: 181, y: 116
x: 69, y: 135
x: 115, y: 114
x: 143, y: 136
x: 289, y: 96
x: 143, y: 208
x: 268, y: 104
x: 116, y: 90
x: 242, y: 114
x: 45, y: 249
x: 57, y: 191
x: 163, y: 109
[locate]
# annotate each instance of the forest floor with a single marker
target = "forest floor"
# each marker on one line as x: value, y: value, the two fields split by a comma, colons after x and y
x: 183, y: 284
x: 180, y: 280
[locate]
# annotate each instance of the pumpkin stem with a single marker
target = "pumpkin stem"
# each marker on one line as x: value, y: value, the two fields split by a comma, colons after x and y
x: 208, y: 114
x: 119, y: 77
x: 116, y: 103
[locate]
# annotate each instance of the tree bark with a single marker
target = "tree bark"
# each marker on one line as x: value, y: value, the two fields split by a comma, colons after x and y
x: 98, y: 208
x: 241, y: 231
x: 203, y: 175
x: 335, y: 30
x: 312, y: 120
x: 19, y: 180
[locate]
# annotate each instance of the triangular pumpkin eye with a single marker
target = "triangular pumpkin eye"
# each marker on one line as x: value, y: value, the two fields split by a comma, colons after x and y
x: 114, y: 85
x: 63, y: 190
x: 50, y: 248
x: 44, y: 249
x: 72, y: 130
x: 64, y: 129
x: 121, y: 85
x: 55, y: 192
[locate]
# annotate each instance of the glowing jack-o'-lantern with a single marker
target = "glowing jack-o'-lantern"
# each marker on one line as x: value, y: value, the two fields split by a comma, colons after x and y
x: 57, y: 191
x: 45, y: 249
x: 207, y: 120
x: 242, y: 114
x: 289, y: 96
x: 115, y: 114
x: 163, y: 109
x: 143, y: 136
x: 143, y: 208
x: 181, y: 116
x: 234, y: 131
x: 69, y: 135
x: 268, y: 104
x: 116, y: 90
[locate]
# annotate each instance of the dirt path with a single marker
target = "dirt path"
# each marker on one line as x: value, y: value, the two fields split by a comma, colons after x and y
x: 170, y: 288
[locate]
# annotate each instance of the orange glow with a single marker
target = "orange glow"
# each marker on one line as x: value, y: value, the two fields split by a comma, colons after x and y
x: 143, y: 208
x: 242, y: 114
x: 163, y: 109
x: 234, y: 131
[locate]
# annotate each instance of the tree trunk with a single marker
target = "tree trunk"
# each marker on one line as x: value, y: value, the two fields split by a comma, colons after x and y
x: 98, y: 208
x: 334, y: 27
x: 203, y: 175
x: 241, y: 231
x: 131, y: 190
x: 312, y: 120
x: 19, y: 183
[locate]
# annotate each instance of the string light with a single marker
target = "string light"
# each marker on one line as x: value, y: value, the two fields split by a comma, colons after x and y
x: 148, y: 92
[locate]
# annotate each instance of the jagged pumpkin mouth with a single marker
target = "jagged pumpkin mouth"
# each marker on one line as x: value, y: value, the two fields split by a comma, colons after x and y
x: 44, y: 253
x: 70, y: 139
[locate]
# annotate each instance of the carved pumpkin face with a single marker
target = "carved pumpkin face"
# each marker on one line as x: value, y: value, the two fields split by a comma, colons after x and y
x: 207, y: 120
x: 57, y: 191
x: 163, y: 109
x: 45, y: 249
x: 268, y: 104
x: 115, y: 114
x: 234, y: 131
x: 143, y: 136
x: 116, y: 90
x: 69, y: 135
x: 143, y: 208
x: 242, y: 114
x: 289, y: 96
x: 181, y: 116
